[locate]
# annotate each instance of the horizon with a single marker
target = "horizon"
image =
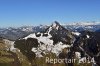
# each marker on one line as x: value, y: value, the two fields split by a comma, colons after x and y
x: 17, y: 13
x: 69, y: 23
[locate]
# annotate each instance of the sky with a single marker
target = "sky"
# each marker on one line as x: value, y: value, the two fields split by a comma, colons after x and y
x: 17, y: 13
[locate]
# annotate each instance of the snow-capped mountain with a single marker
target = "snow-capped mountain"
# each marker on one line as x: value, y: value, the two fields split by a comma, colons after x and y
x: 53, y: 39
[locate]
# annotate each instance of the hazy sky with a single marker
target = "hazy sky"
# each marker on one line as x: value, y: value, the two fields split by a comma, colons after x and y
x: 35, y: 12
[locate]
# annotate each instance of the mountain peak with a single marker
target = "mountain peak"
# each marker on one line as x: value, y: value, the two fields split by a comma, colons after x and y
x: 55, y: 24
x: 59, y: 33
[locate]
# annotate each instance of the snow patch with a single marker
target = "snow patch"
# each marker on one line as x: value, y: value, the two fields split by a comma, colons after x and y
x: 76, y: 33
x: 88, y: 36
x: 10, y: 45
x: 30, y: 36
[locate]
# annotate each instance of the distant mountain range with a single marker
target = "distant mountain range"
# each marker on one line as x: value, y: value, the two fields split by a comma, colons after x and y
x: 15, y: 33
x: 91, y: 26
x: 12, y: 33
